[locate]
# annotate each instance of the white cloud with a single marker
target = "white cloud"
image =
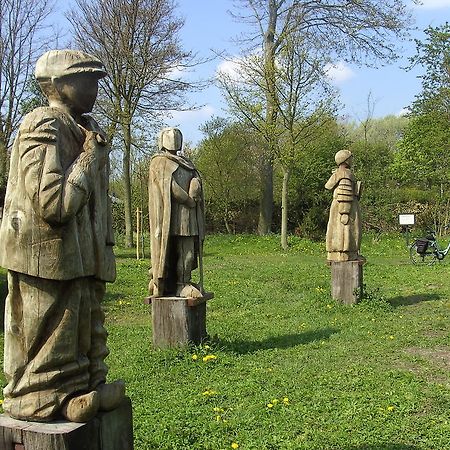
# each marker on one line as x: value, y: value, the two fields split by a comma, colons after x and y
x: 196, y: 115
x: 339, y: 72
x: 403, y: 112
x: 434, y: 4
x: 233, y: 68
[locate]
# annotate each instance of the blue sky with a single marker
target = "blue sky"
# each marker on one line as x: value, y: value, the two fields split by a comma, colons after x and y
x: 208, y: 27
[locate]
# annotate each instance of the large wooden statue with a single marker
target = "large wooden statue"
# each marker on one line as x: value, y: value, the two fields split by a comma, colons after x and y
x: 176, y: 219
x: 56, y: 242
x: 344, y: 224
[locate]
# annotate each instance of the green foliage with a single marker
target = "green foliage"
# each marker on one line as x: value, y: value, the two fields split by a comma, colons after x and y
x: 423, y: 160
x: 361, y: 377
x: 434, y: 55
x: 227, y: 161
x: 308, y: 199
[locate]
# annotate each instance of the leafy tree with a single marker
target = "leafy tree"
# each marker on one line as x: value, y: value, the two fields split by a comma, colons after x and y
x: 423, y: 159
x: 358, y: 31
x: 308, y: 199
x: 226, y: 158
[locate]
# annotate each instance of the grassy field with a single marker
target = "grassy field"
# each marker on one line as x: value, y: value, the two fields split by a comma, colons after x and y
x: 291, y: 368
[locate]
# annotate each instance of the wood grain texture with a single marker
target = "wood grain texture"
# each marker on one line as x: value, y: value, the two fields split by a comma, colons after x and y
x: 108, y: 431
x: 179, y: 321
x: 346, y: 281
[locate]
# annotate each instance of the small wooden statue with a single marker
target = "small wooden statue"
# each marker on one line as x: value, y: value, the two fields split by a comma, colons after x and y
x: 344, y: 225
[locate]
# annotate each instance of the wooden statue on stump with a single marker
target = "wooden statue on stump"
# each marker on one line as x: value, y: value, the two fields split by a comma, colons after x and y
x: 56, y: 242
x: 177, y: 232
x: 344, y: 231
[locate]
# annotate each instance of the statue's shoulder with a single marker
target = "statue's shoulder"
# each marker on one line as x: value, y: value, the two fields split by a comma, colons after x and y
x: 44, y: 115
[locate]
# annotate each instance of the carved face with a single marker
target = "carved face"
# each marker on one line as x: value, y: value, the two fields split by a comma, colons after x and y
x: 78, y: 91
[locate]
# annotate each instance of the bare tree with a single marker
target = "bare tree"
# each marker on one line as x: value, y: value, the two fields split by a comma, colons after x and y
x: 138, y: 41
x: 360, y: 31
x: 22, y: 40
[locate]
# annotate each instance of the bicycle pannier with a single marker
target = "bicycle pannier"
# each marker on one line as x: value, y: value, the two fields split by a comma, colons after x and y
x: 422, y: 245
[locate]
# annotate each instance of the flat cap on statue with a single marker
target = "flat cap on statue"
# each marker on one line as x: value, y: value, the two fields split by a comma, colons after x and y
x: 59, y: 63
x: 170, y: 139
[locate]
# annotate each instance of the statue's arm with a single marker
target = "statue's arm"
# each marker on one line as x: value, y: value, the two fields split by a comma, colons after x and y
x: 181, y: 196
x: 332, y: 181
x: 57, y: 196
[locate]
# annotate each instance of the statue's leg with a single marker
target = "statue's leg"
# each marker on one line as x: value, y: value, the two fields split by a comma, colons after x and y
x: 185, y: 264
x: 98, y: 350
x: 43, y: 365
x: 185, y: 261
x: 110, y: 395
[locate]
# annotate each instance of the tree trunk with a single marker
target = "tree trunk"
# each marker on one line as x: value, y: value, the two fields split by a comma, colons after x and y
x: 3, y: 164
x: 284, y: 207
x: 266, y: 198
x: 225, y: 221
x: 126, y: 167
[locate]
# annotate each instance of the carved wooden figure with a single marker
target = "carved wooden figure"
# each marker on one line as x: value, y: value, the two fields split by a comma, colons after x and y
x: 176, y: 210
x: 344, y: 224
x: 56, y: 242
x: 344, y: 232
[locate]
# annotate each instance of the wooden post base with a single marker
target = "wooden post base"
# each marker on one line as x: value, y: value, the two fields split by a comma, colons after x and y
x: 179, y: 321
x: 347, y: 281
x: 111, y: 430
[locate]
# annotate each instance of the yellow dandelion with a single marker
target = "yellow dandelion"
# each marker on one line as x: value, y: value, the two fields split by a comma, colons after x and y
x: 209, y: 393
x: 194, y: 357
x: 391, y: 337
x: 209, y: 358
x: 234, y: 445
x: 270, y: 405
x: 286, y: 400
x: 390, y: 408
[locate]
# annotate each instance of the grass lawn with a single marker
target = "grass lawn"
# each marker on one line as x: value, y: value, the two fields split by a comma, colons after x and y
x: 293, y: 369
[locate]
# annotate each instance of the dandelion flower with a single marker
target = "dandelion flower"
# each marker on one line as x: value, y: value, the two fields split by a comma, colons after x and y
x: 390, y: 408
x: 194, y: 357
x: 286, y: 400
x: 209, y: 358
x: 391, y: 337
x: 235, y: 445
x: 270, y: 405
x: 209, y: 393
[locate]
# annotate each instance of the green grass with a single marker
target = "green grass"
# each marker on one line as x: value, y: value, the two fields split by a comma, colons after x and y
x: 371, y: 376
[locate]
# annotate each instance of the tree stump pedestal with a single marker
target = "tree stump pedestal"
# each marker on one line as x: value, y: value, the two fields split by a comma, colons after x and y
x: 347, y: 280
x: 179, y: 321
x: 112, y: 430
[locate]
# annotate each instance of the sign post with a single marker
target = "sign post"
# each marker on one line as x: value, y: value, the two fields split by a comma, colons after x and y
x: 406, y: 221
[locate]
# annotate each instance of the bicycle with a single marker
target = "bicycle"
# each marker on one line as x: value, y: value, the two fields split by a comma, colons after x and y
x: 426, y: 251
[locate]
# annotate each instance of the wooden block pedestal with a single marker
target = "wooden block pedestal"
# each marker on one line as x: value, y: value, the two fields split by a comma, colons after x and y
x: 111, y: 430
x: 346, y: 280
x: 179, y: 320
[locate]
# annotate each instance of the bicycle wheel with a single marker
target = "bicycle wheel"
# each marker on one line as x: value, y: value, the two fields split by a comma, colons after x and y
x: 428, y: 258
